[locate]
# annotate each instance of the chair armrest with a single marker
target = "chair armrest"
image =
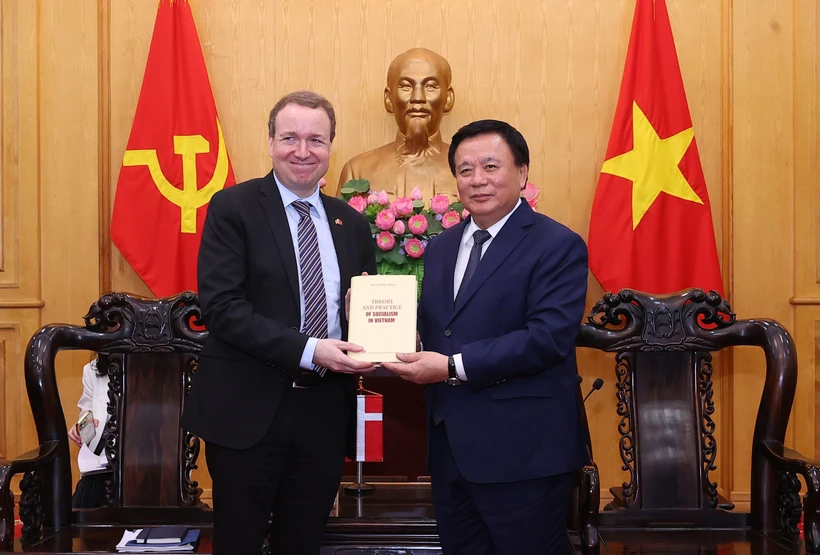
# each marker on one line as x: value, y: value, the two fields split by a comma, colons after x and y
x: 31, y: 461
x: 789, y: 463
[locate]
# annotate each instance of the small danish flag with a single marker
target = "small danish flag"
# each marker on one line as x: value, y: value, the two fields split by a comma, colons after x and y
x: 369, y: 427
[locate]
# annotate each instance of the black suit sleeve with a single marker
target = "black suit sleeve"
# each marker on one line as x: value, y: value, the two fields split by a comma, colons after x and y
x: 222, y: 273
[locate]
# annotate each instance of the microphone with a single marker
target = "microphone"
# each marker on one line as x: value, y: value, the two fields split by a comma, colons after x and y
x: 596, y: 385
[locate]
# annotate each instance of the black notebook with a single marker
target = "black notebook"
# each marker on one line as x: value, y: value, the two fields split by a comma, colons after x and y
x: 165, y: 534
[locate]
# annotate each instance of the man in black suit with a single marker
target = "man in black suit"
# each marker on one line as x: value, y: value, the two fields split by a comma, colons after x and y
x: 274, y: 394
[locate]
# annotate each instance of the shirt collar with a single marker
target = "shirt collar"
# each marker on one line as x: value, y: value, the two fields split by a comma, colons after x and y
x: 289, y: 197
x: 472, y: 227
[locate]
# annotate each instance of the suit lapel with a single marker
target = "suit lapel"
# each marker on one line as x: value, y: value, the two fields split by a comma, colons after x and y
x: 277, y: 219
x: 502, y: 245
x: 450, y: 245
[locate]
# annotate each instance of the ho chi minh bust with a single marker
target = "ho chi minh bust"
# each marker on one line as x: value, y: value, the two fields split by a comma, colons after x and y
x: 418, y: 94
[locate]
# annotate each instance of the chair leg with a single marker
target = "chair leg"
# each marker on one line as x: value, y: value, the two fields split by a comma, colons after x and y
x: 590, y: 491
x: 6, y: 510
x: 811, y: 510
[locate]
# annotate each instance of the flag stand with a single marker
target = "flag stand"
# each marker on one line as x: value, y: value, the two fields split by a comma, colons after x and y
x: 360, y: 488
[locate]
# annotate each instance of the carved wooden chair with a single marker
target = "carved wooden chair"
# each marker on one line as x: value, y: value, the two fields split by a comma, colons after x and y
x: 149, y: 349
x: 663, y: 348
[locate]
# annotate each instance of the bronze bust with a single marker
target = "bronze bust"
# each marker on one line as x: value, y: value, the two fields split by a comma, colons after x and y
x: 418, y: 94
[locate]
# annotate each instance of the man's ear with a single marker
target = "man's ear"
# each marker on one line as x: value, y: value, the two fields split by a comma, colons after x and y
x: 270, y: 146
x: 388, y: 104
x: 451, y: 100
x: 525, y: 174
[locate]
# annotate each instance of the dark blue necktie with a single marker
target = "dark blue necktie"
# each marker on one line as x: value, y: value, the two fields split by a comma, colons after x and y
x: 313, y: 284
x: 480, y: 237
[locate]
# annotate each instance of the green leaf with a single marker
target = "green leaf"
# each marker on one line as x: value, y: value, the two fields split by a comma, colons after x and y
x: 457, y: 206
x: 359, y: 185
x: 433, y: 225
x: 395, y: 257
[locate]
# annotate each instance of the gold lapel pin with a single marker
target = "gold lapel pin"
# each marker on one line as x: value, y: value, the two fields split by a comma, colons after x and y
x: 338, y: 221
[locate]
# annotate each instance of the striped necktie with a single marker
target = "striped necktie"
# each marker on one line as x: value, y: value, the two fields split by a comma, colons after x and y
x: 313, y: 284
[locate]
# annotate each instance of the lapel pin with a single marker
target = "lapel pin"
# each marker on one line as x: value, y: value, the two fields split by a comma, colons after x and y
x: 338, y: 221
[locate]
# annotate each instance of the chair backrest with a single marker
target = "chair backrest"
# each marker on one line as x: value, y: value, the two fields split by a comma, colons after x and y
x: 149, y: 350
x: 665, y: 394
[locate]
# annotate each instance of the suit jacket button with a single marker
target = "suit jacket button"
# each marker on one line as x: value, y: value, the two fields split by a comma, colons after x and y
x: 447, y: 333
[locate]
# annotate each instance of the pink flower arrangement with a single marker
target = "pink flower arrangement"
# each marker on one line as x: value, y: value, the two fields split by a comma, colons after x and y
x: 530, y: 194
x: 385, y: 241
x: 450, y: 219
x: 403, y: 228
x: 402, y: 207
x: 440, y: 204
x: 417, y: 224
x: 414, y: 248
x: 385, y: 220
x: 358, y: 204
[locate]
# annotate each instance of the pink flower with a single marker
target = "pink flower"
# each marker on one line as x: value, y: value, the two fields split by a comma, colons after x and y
x: 385, y: 220
x: 414, y: 248
x: 399, y: 228
x: 465, y: 214
x: 416, y: 194
x: 440, y: 204
x: 450, y: 219
x: 417, y: 224
x: 358, y: 203
x: 385, y: 241
x: 403, y: 206
x: 372, y: 198
x: 383, y: 199
x: 530, y: 194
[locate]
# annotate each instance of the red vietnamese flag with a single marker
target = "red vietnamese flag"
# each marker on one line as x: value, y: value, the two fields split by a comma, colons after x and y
x: 175, y: 160
x: 651, y: 224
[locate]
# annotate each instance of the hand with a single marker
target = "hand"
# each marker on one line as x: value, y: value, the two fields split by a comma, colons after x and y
x: 74, y: 436
x: 422, y: 368
x: 347, y: 301
x: 330, y: 353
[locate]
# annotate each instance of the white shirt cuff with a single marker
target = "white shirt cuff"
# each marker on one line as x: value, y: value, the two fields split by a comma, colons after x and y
x: 306, y: 362
x: 460, y: 367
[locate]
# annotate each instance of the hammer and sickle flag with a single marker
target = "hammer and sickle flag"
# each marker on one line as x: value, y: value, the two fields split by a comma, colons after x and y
x: 651, y: 225
x: 176, y: 159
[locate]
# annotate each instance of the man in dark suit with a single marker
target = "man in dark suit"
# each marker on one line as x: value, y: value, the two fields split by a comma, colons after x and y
x: 273, y: 396
x: 501, y: 304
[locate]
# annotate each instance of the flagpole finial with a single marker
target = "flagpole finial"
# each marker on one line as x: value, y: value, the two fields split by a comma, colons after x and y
x: 361, y: 385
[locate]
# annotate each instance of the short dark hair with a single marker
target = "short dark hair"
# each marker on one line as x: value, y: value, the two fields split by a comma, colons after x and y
x: 307, y: 99
x: 514, y: 139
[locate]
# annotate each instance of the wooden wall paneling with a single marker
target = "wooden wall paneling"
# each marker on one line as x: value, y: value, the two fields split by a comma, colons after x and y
x: 67, y: 66
x: 19, y: 284
x: 551, y: 68
x: 131, y: 25
x: 20, y: 299
x: 806, y: 292
x: 763, y: 197
x: 806, y: 295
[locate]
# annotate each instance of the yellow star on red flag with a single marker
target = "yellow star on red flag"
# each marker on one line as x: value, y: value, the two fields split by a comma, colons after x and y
x: 652, y: 165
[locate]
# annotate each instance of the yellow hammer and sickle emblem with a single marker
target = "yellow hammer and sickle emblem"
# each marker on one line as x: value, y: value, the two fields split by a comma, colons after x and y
x: 189, y: 198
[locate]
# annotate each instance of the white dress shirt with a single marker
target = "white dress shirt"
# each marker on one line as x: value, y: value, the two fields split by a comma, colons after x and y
x: 464, y: 248
x: 330, y: 266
